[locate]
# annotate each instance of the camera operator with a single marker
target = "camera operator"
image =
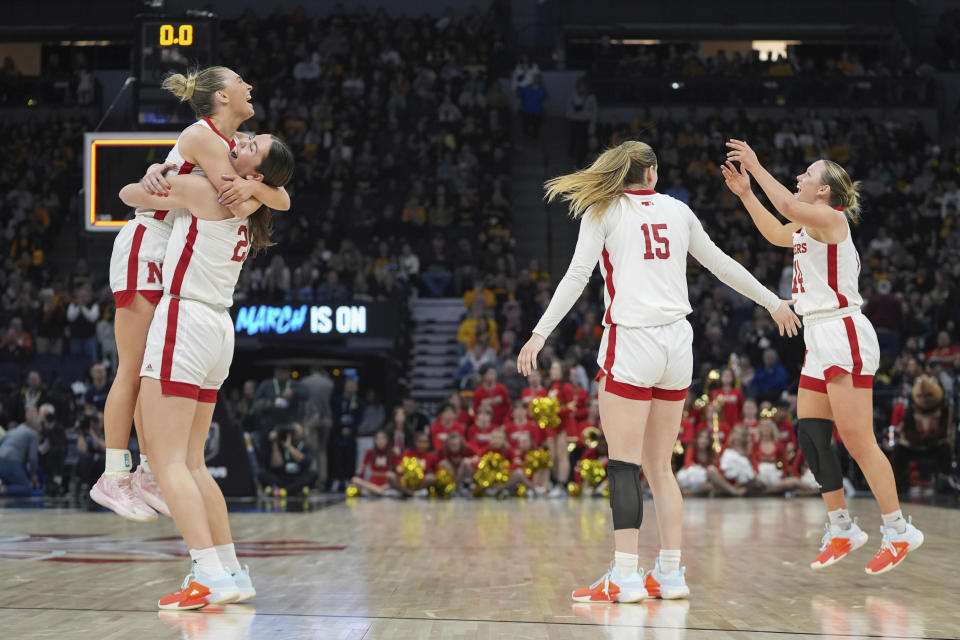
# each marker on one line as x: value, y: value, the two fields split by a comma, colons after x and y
x: 290, y: 460
x: 91, y: 447
x: 52, y: 449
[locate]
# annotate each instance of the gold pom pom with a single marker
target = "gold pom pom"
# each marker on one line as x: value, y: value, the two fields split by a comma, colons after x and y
x: 444, y: 485
x: 574, y: 489
x: 352, y: 491
x: 593, y: 472
x: 521, y: 491
x: 536, y: 460
x: 492, y: 470
x: 411, y: 472
x: 546, y: 411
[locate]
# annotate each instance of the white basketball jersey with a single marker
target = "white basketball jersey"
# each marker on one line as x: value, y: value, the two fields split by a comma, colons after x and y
x: 204, y: 258
x: 641, y: 244
x: 153, y: 217
x: 825, y: 276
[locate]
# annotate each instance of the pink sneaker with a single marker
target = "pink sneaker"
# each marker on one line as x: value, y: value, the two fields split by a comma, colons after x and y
x: 145, y: 484
x: 115, y: 491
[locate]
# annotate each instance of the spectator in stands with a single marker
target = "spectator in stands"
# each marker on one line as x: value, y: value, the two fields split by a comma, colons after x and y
x: 532, y: 97
x: 91, y: 448
x: 399, y: 432
x: 279, y: 400
x: 437, y: 275
x: 99, y: 387
x: 82, y: 316
x: 885, y: 311
x: 332, y: 292
x: 478, y: 324
x: 319, y: 388
x: 945, y: 351
x: 17, y: 344
x: 926, y: 433
x: 52, y: 449
x: 417, y: 420
x: 31, y: 395
x: 19, y: 461
x: 289, y: 466
x: 480, y: 291
x: 342, y: 445
x: 771, y: 379
x: 581, y: 118
x: 493, y: 395
x: 50, y: 325
x: 478, y: 356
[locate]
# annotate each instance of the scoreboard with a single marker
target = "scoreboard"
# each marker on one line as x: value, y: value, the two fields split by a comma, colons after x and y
x: 112, y: 160
x: 164, y: 45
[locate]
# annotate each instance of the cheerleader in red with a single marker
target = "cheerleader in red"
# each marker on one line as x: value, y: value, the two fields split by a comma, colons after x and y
x: 538, y: 481
x: 427, y: 460
x: 534, y: 388
x: 492, y: 394
x: 482, y: 431
x: 445, y: 424
x: 556, y: 437
x: 380, y: 462
x: 735, y: 472
x: 458, y: 459
x: 699, y: 457
x: 732, y: 401
x: 461, y: 408
x: 580, y: 396
x: 498, y: 444
x: 769, y: 458
x: 709, y: 413
x: 521, y: 423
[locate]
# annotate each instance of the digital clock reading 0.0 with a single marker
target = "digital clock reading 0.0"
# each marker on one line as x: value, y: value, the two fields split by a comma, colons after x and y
x: 181, y: 35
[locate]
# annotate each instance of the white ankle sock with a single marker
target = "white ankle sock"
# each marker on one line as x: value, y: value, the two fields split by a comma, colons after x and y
x: 669, y: 560
x: 118, y: 461
x: 840, y: 518
x: 228, y: 557
x: 625, y: 564
x: 895, y: 521
x: 144, y: 463
x: 207, y: 560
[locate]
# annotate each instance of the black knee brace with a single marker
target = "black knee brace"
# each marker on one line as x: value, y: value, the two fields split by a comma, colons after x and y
x: 626, y: 498
x: 814, y: 436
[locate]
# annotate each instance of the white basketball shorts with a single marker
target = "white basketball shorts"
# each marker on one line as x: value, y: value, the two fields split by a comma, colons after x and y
x: 136, y: 264
x: 189, y: 348
x: 839, y: 344
x: 642, y: 363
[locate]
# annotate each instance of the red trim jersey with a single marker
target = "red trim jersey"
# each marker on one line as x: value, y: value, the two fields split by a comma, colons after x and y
x: 379, y: 463
x: 688, y: 431
x: 427, y: 459
x: 825, y: 276
x: 499, y: 401
x: 580, y: 395
x: 155, y: 219
x: 732, y: 404
x: 438, y: 433
x: 641, y: 242
x: 204, y: 258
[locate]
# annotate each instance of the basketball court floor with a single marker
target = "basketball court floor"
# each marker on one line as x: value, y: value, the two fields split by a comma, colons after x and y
x: 474, y: 569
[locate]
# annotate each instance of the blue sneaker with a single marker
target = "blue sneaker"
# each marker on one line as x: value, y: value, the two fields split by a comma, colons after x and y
x: 244, y: 585
x: 223, y: 588
x: 666, y: 586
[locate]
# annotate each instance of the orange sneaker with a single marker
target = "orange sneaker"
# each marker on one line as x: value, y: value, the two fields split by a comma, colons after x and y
x: 613, y: 589
x: 894, y: 548
x: 192, y: 596
x: 837, y: 543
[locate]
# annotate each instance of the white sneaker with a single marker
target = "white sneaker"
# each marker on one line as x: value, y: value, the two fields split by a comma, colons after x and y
x: 613, y: 587
x: 557, y: 492
x: 421, y: 493
x: 244, y: 585
x: 837, y: 543
x: 894, y: 548
x: 666, y: 586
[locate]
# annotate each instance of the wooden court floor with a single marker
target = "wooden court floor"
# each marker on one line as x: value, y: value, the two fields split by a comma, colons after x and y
x: 475, y: 569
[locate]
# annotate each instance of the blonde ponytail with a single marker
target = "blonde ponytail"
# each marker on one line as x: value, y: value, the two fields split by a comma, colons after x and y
x: 844, y: 192
x: 603, y: 181
x: 198, y: 87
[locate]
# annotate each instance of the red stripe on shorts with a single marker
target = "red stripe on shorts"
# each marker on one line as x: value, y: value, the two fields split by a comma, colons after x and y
x: 854, y: 345
x: 133, y: 260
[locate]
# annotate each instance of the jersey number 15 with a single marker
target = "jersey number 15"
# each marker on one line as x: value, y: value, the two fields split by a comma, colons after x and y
x: 663, y: 243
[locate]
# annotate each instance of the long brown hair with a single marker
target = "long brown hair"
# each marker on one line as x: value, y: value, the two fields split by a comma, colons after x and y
x: 602, y: 182
x: 277, y: 170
